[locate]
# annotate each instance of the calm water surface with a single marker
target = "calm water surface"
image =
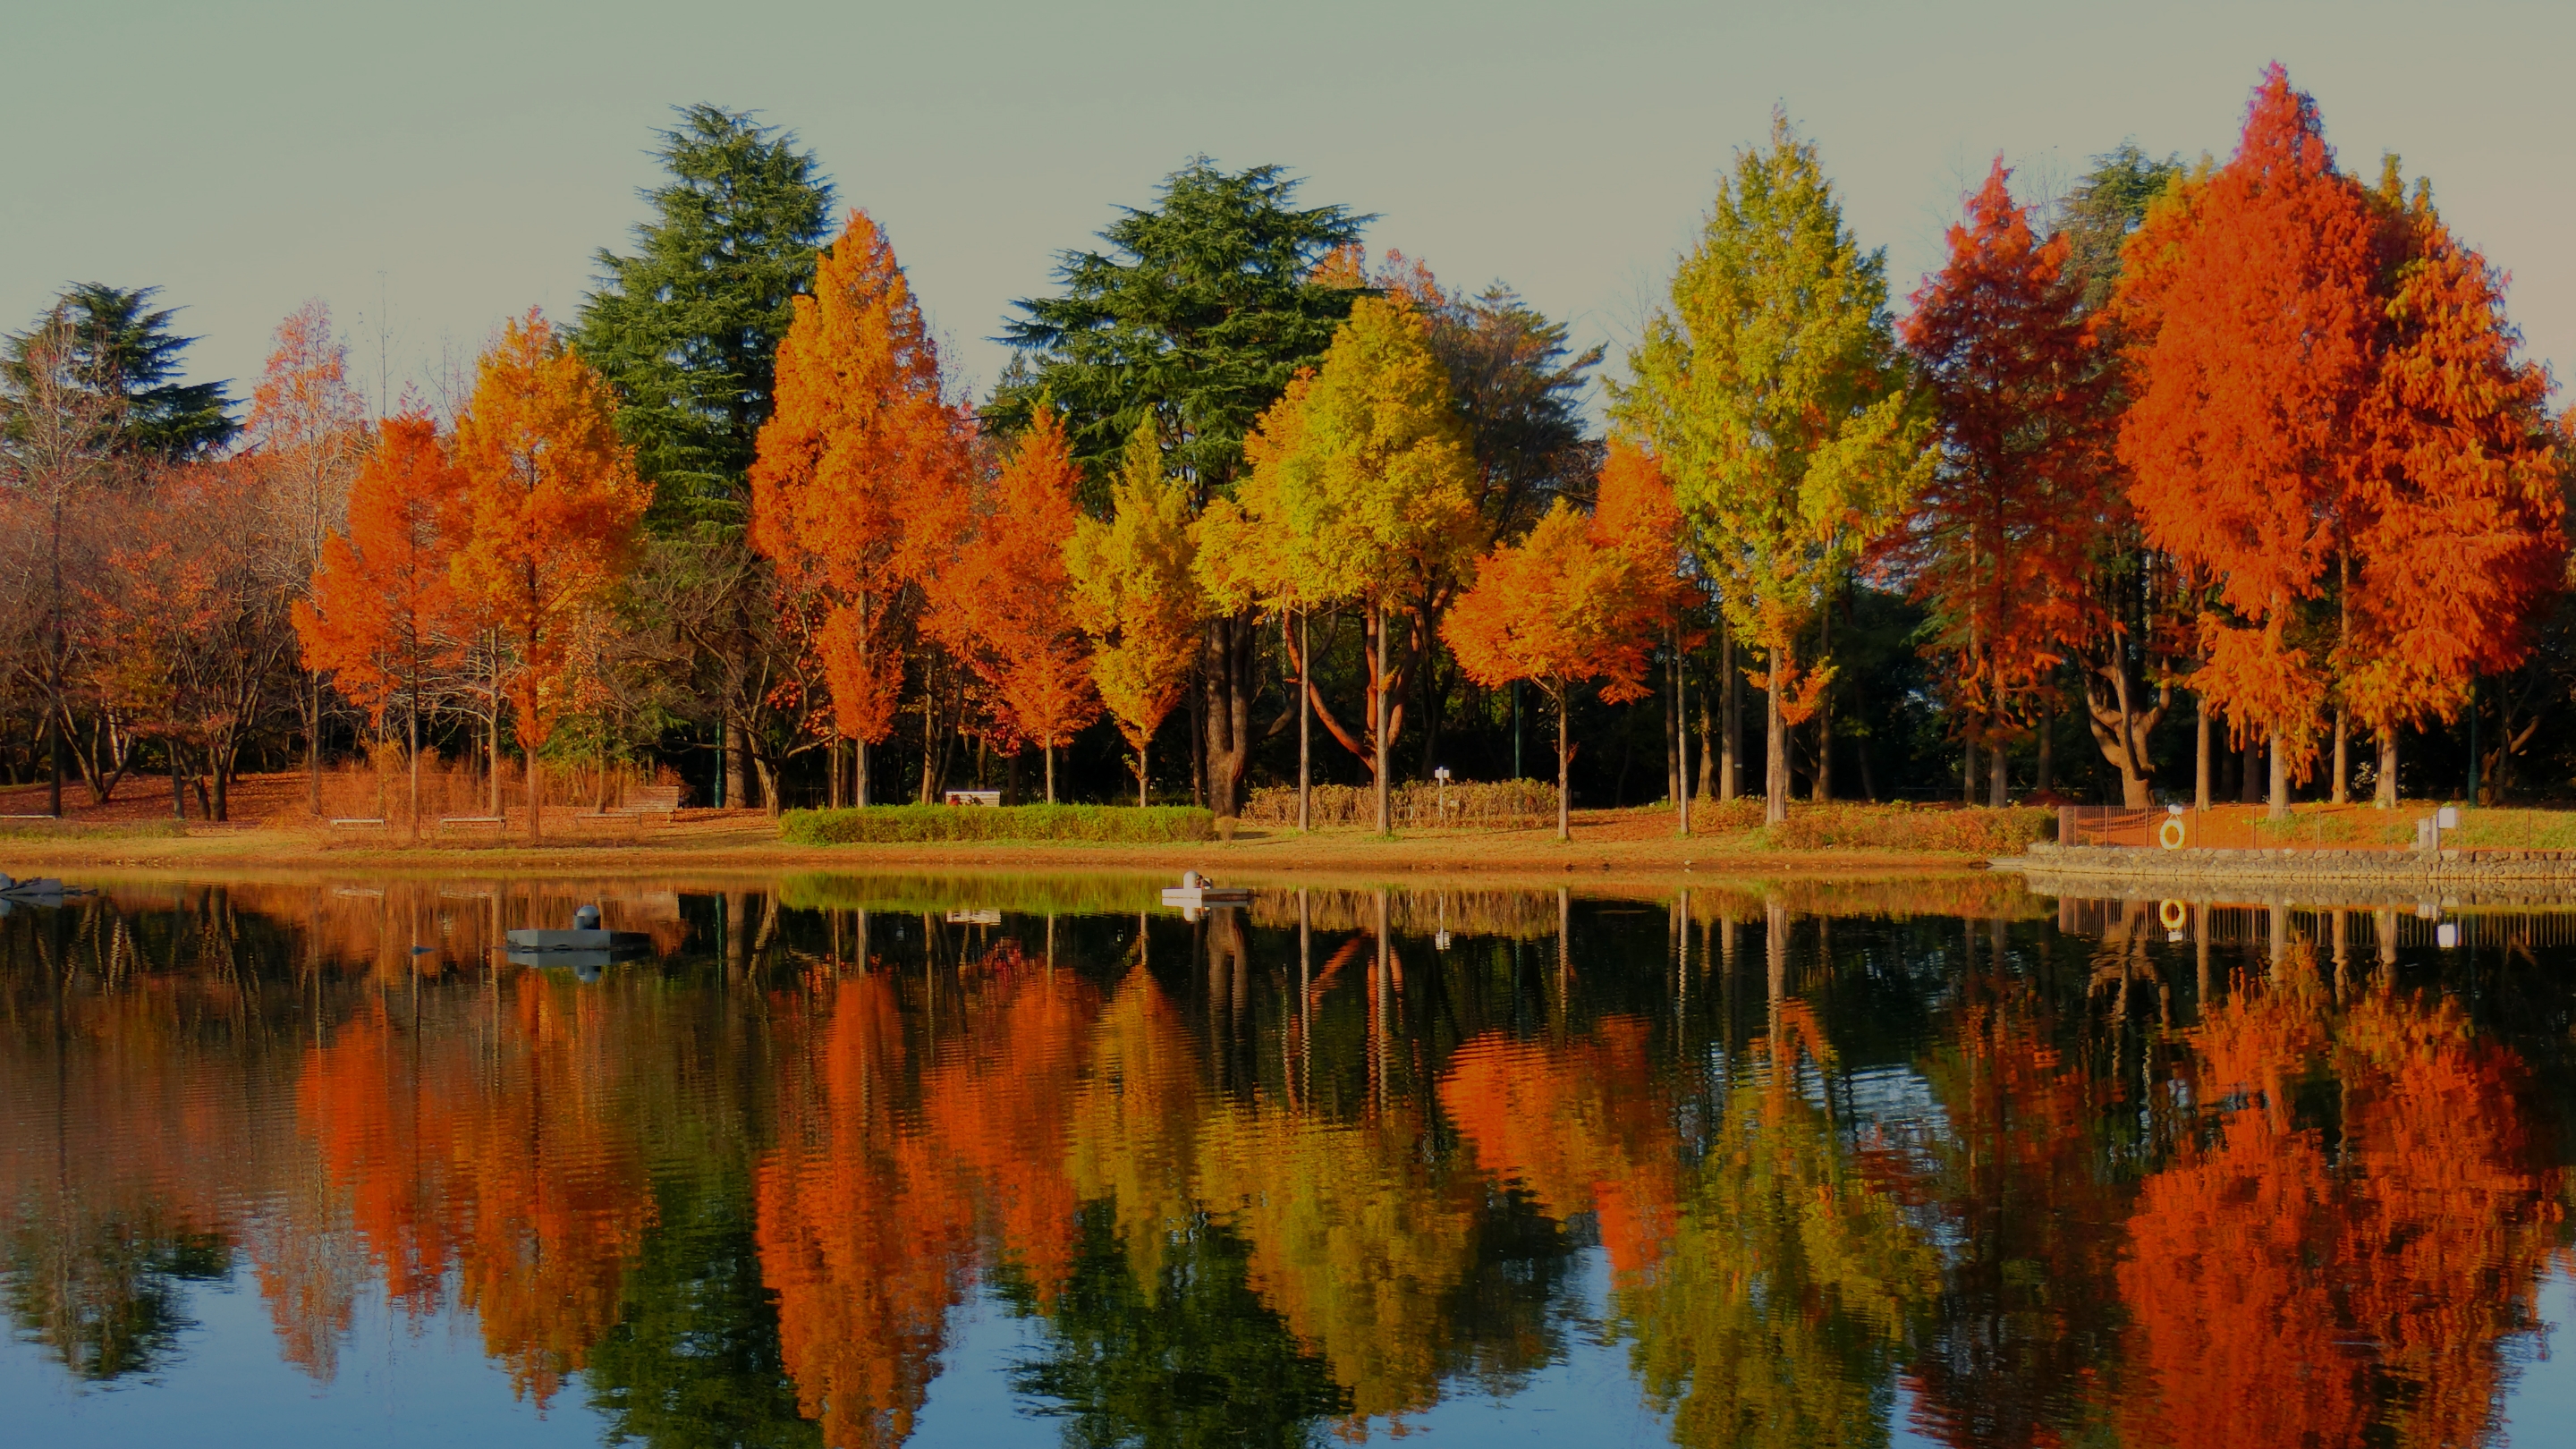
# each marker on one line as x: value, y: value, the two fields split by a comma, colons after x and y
x: 887, y: 1161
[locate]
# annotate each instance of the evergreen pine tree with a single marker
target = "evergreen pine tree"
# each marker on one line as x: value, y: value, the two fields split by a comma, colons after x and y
x: 687, y: 329
x: 122, y: 350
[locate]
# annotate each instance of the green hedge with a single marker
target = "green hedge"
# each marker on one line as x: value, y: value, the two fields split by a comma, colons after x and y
x: 1114, y: 824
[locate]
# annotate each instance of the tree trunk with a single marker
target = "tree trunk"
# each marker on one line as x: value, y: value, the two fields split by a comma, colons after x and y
x: 2046, y: 770
x: 765, y: 771
x: 1377, y: 694
x: 2384, y: 790
x: 415, y: 765
x: 2249, y: 788
x: 178, y: 791
x: 1998, y: 777
x: 2343, y: 761
x: 736, y: 791
x: 1968, y: 766
x: 312, y: 743
x: 1050, y: 774
x: 859, y: 770
x: 1231, y: 682
x: 1306, y: 724
x: 1671, y: 712
x: 1775, y: 750
x: 1564, y: 762
x: 2200, y: 778
x: 1681, y: 739
x: 1730, y: 734
x: 1144, y: 771
x: 2280, y: 780
x: 536, y: 801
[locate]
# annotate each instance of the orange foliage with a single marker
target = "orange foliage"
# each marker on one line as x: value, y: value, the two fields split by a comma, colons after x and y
x: 861, y: 472
x: 1583, y: 1127
x: 552, y: 503
x: 2291, y: 1290
x: 383, y: 612
x: 2001, y: 540
x: 1005, y: 602
x: 865, y: 1234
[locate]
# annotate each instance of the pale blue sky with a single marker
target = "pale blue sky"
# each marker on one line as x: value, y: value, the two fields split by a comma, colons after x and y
x: 467, y: 158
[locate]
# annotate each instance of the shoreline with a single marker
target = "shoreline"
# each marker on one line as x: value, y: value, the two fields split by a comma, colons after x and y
x: 728, y: 848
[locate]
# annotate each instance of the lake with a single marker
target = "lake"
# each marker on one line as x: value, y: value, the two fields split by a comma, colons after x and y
x: 845, y: 1161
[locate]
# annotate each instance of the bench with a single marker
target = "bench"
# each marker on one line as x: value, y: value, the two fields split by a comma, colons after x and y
x: 650, y: 800
x: 354, y: 822
x: 974, y: 797
x: 495, y: 821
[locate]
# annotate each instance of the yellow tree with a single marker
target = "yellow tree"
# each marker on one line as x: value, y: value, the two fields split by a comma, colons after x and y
x: 551, y: 506
x: 1363, y: 490
x: 1774, y: 394
x: 1136, y: 595
x: 864, y: 462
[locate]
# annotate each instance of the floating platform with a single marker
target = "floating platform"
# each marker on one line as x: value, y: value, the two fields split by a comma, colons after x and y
x: 1201, y: 898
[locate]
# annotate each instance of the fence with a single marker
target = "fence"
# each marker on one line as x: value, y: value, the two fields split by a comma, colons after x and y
x: 2310, y: 827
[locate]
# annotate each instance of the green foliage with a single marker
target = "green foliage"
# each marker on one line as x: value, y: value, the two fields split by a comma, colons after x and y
x: 123, y: 352
x: 1519, y: 386
x: 1196, y: 317
x: 1775, y: 396
x: 1188, y: 1356
x: 694, y: 1361
x: 2097, y: 217
x: 1107, y: 824
x: 687, y: 329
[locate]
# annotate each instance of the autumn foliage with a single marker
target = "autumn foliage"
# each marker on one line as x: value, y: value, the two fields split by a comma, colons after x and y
x: 862, y: 471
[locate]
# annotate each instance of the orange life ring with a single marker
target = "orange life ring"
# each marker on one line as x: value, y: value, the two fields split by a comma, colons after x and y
x: 2172, y: 834
x: 2172, y: 915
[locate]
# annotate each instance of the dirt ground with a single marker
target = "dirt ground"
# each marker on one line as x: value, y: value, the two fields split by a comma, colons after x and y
x: 271, y: 831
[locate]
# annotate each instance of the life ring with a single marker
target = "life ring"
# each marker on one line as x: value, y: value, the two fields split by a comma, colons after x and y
x: 2172, y: 915
x: 2172, y: 834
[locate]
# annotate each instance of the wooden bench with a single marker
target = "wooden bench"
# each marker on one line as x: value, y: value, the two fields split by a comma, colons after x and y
x: 356, y: 822
x: 650, y: 800
x: 974, y: 797
x: 495, y: 821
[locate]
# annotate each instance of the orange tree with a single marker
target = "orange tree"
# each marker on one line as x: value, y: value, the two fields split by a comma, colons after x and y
x: 1004, y: 603
x: 2332, y: 430
x: 2000, y: 542
x: 1574, y: 602
x: 550, y: 509
x: 381, y: 617
x: 861, y: 469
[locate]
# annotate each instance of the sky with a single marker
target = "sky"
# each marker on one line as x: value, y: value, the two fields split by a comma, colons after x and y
x: 431, y: 169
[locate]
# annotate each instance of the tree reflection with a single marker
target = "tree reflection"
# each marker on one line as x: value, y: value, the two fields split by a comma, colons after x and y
x: 2344, y: 1256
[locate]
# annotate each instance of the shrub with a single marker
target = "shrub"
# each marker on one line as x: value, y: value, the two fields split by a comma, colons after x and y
x: 107, y: 830
x: 1114, y: 824
x: 1963, y: 829
x: 1469, y: 805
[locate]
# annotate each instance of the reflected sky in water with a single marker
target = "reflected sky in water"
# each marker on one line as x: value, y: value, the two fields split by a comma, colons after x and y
x: 909, y: 1160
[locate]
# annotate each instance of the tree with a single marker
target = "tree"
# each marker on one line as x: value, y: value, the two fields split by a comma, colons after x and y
x: 2455, y: 528
x: 1008, y: 597
x: 860, y: 472
x: 2097, y: 217
x: 688, y: 329
x: 1580, y: 599
x: 381, y: 617
x: 2001, y: 541
x: 1774, y: 395
x: 1136, y: 593
x: 551, y: 507
x: 58, y: 432
x: 1362, y: 471
x: 1196, y: 318
x: 126, y: 355
x: 2248, y: 303
x: 308, y: 431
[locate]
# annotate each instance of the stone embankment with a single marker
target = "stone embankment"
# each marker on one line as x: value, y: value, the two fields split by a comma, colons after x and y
x: 2462, y: 876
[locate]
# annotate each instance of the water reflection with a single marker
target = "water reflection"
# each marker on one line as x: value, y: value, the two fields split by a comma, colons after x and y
x: 1818, y: 1159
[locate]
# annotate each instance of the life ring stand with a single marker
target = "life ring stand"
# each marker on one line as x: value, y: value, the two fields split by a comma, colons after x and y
x: 2172, y: 833
x: 2172, y: 915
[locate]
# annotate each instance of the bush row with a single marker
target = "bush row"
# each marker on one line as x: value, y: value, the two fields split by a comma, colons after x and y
x: 1113, y: 824
x: 1901, y: 826
x: 1416, y: 805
